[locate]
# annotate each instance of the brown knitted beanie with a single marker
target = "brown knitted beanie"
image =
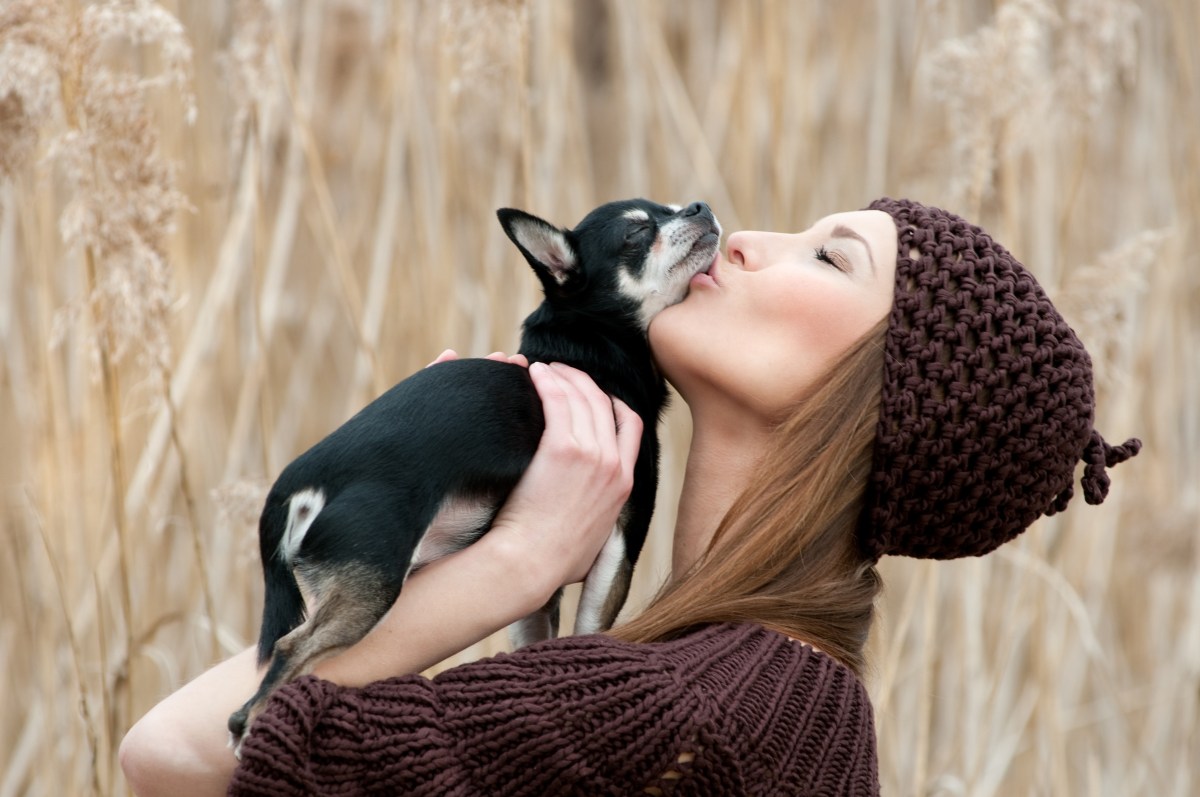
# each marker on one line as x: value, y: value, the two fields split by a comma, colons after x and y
x: 987, y: 399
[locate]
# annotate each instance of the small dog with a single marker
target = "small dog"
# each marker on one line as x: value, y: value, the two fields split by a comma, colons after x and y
x: 422, y: 471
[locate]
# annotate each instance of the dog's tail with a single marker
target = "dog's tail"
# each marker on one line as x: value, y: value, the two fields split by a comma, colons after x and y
x: 283, y: 604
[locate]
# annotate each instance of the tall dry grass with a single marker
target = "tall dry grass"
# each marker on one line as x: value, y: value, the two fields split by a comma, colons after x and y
x: 226, y: 225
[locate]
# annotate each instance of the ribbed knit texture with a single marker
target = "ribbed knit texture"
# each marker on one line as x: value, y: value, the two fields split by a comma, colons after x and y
x: 987, y: 400
x: 726, y: 710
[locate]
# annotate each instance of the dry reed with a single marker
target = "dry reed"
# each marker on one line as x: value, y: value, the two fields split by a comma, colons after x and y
x: 224, y: 226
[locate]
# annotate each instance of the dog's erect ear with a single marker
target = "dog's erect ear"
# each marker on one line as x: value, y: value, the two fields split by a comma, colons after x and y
x: 547, y: 248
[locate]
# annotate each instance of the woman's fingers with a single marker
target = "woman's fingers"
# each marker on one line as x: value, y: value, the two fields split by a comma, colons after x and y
x: 446, y: 356
x: 515, y: 359
x: 585, y: 438
x: 498, y: 356
x: 595, y: 419
x: 555, y: 408
x: 567, y: 501
x: 569, y: 432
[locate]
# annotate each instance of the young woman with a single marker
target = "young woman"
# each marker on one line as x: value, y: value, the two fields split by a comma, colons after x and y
x: 743, y: 676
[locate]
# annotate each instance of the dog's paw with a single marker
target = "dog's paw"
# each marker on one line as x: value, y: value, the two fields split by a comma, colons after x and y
x: 239, y: 722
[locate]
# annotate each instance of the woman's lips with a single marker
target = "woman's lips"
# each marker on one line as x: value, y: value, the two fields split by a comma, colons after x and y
x: 709, y: 275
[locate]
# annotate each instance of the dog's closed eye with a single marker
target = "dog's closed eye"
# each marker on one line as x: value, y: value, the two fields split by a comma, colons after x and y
x: 636, y: 231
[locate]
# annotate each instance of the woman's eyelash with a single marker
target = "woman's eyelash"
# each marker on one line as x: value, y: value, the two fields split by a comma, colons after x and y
x: 822, y: 254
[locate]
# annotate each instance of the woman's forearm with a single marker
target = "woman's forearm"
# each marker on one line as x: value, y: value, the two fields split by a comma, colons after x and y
x: 444, y: 608
x: 181, y: 747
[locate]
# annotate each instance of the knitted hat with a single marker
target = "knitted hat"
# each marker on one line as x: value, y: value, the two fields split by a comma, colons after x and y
x: 987, y: 399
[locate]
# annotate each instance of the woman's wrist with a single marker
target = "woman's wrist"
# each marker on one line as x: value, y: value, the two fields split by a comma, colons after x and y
x: 529, y: 574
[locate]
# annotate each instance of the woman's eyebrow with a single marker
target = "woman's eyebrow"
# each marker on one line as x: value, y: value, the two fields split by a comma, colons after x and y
x: 842, y: 231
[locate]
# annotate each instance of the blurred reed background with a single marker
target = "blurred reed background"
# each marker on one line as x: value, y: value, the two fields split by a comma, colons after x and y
x: 224, y: 226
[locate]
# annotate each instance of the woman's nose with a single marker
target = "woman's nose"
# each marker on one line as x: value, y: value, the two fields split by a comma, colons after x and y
x: 744, y: 248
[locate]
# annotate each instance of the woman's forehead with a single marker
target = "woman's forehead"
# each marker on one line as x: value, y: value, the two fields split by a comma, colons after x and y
x: 862, y: 221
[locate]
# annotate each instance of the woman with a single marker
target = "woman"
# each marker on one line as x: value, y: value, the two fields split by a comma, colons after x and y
x: 743, y: 676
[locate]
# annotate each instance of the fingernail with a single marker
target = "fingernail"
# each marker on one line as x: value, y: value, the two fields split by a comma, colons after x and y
x: 537, y: 367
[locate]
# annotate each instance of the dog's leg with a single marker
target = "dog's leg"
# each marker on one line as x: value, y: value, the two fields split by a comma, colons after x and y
x: 606, y: 586
x: 353, y: 598
x: 542, y: 624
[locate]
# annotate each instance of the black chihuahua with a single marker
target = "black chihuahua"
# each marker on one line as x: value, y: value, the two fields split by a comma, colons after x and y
x: 421, y: 471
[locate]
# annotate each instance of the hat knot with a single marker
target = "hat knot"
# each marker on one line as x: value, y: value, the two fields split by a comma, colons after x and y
x: 1100, y: 455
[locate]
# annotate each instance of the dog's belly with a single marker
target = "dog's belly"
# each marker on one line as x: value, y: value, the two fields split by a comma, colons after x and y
x: 459, y: 522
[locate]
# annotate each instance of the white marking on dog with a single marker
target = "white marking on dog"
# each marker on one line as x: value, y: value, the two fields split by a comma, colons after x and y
x: 455, y: 526
x: 303, y: 508
x: 637, y: 214
x: 529, y: 629
x: 599, y: 583
x: 668, y: 268
x: 676, y: 208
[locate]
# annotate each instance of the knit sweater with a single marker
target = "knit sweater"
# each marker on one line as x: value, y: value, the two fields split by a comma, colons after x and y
x: 726, y: 710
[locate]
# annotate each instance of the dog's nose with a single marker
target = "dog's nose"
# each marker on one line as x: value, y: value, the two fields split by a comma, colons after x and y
x: 696, y: 208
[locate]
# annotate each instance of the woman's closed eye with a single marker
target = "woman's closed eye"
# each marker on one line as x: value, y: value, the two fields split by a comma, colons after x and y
x: 835, y: 259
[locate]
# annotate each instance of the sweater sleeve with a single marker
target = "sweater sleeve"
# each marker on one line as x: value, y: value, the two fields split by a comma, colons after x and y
x: 584, y: 715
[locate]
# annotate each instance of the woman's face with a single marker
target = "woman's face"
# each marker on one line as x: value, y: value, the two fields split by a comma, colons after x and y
x: 769, y: 318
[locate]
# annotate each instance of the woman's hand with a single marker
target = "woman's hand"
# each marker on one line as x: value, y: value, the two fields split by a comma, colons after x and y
x: 567, y: 502
x: 564, y: 507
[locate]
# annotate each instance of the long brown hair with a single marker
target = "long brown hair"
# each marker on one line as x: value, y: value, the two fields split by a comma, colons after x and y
x: 785, y: 556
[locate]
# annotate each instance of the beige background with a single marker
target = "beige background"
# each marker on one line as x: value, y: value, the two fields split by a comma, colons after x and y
x: 271, y: 215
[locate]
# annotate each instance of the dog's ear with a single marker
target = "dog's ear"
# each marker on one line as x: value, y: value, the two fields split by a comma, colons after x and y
x: 548, y: 249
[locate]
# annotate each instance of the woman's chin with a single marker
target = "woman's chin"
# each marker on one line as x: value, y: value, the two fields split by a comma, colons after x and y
x: 666, y: 333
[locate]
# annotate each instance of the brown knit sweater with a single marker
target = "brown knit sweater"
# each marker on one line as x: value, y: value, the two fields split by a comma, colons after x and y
x: 727, y: 710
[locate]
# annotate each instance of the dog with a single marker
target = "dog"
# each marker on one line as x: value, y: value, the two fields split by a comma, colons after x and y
x: 421, y: 472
